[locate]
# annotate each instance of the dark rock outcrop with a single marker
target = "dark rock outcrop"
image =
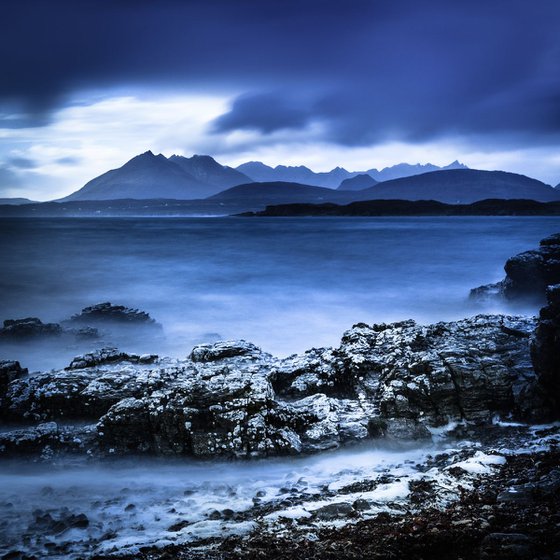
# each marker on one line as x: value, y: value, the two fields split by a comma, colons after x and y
x: 223, y: 349
x: 545, y: 347
x: 9, y: 371
x: 107, y: 312
x: 229, y: 399
x: 527, y: 274
x: 47, y: 439
x: 30, y: 327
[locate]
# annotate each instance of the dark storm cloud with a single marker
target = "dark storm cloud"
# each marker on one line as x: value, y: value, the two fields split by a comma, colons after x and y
x: 367, y: 71
x: 265, y: 112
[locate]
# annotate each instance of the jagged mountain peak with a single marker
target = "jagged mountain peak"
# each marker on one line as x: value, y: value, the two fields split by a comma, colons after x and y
x: 150, y: 176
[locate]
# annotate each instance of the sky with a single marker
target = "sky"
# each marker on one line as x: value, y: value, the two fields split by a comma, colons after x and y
x: 88, y: 84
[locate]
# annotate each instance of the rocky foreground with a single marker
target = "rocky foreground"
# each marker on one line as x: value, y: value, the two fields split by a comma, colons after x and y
x: 229, y: 399
x: 478, y: 397
x: 471, y: 486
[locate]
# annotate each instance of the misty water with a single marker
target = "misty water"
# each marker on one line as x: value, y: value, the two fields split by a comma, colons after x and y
x: 286, y: 284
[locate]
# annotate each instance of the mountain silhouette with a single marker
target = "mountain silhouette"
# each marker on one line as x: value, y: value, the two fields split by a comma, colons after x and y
x: 148, y: 176
x: 357, y: 183
x: 462, y: 186
x: 408, y: 170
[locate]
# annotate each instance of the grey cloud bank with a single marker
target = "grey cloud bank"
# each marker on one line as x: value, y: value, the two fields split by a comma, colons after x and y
x: 354, y: 75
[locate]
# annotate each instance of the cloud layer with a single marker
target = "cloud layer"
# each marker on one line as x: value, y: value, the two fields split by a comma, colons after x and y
x: 363, y: 73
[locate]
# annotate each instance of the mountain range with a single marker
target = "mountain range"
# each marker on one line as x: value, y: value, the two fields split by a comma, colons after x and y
x: 408, y: 170
x: 333, y: 179
x: 452, y: 186
x: 211, y: 188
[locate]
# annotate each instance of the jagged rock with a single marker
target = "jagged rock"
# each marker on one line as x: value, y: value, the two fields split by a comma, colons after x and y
x: 31, y: 327
x: 44, y: 522
x: 9, y: 371
x: 545, y: 347
x: 223, y: 349
x: 489, y: 292
x: 230, y: 399
x: 527, y: 274
x: 334, y: 511
x: 46, y: 439
x: 107, y: 356
x: 112, y: 313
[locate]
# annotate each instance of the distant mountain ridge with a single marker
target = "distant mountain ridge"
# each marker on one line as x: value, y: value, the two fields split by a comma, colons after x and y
x: 201, y: 178
x: 462, y: 186
x: 263, y: 173
x: 148, y: 176
x: 451, y: 186
x: 408, y: 170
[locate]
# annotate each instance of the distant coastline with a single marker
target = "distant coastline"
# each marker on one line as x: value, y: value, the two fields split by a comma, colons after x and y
x: 210, y: 208
x: 488, y: 207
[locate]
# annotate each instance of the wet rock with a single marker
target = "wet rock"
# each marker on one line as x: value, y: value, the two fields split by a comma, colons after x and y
x: 361, y: 505
x: 107, y: 312
x: 549, y: 484
x: 10, y: 370
x: 45, y: 522
x: 489, y: 292
x: 527, y: 274
x: 334, y: 511
x: 107, y: 356
x: 31, y: 327
x: 521, y: 494
x: 225, y: 349
x: 230, y: 399
x: 179, y: 526
x: 46, y: 440
x: 545, y: 350
x: 506, y: 546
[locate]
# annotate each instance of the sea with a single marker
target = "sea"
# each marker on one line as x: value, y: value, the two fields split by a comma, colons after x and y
x: 285, y: 284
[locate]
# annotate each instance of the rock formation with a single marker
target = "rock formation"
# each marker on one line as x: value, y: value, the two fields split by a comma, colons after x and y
x: 229, y: 399
x: 545, y: 347
x: 527, y: 274
x: 30, y: 327
x: 112, y: 313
